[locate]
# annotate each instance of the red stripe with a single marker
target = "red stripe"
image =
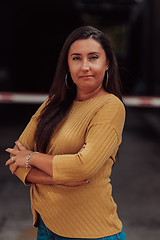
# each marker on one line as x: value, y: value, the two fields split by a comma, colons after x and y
x: 136, y: 101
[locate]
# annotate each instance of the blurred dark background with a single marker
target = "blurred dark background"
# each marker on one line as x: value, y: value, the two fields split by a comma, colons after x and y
x: 32, y: 33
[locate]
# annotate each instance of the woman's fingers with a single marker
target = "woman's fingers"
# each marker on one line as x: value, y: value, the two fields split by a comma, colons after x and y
x: 83, y: 147
x: 18, y: 156
x: 77, y: 183
x: 12, y: 151
x: 20, y: 146
x: 15, y: 152
x: 83, y: 182
x: 14, y: 168
x: 9, y: 162
x: 72, y: 184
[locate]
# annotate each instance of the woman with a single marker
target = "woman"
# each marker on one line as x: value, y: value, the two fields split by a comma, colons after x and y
x: 67, y: 151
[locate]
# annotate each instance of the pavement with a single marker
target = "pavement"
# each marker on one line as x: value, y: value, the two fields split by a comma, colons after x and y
x: 135, y: 177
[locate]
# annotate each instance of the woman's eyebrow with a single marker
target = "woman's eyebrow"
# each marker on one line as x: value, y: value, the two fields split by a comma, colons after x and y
x: 93, y: 53
x: 78, y: 54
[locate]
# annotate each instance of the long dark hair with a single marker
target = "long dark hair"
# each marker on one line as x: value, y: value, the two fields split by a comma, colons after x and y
x: 60, y: 97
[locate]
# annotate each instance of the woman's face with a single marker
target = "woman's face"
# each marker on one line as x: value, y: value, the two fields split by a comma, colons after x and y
x: 87, y: 64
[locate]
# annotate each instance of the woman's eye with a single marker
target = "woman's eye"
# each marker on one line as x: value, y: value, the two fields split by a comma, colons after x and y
x: 94, y: 57
x: 76, y: 58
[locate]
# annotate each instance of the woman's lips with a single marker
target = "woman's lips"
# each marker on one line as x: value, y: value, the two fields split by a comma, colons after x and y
x: 86, y: 76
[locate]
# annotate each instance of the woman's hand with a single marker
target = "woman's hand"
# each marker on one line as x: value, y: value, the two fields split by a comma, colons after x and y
x: 39, y: 177
x: 19, y: 158
x: 35, y: 175
x: 72, y: 184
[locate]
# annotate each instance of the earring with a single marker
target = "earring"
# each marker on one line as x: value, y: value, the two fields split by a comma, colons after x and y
x: 106, y: 79
x: 67, y: 83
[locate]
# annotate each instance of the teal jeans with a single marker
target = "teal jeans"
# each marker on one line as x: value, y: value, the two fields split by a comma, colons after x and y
x: 45, y: 234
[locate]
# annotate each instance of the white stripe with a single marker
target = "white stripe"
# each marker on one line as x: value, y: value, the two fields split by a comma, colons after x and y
x: 139, y: 101
x: 22, y: 98
x: 38, y: 98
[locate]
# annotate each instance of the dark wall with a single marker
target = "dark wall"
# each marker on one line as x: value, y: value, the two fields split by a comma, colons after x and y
x: 33, y: 32
x: 32, y: 36
x: 144, y: 49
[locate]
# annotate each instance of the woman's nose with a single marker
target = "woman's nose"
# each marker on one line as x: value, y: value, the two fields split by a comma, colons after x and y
x: 85, y: 65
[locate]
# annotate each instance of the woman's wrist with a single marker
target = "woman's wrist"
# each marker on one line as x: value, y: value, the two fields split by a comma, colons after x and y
x: 28, y: 161
x: 39, y: 177
x: 43, y: 162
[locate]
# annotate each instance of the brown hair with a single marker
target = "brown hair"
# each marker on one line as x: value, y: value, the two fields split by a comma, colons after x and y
x: 60, y: 97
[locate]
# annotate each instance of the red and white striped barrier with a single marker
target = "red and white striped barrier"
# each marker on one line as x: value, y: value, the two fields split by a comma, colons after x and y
x: 141, y: 101
x: 37, y: 98
x: 8, y: 97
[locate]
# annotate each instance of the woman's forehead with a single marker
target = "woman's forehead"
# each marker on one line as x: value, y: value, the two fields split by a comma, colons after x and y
x: 85, y: 45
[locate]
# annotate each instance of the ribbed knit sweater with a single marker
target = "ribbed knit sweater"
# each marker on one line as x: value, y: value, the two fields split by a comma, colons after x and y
x: 88, y: 210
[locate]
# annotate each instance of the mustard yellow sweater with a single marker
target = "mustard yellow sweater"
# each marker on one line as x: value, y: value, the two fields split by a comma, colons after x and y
x: 86, y: 211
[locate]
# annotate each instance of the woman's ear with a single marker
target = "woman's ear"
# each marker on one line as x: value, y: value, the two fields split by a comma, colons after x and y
x: 107, y: 65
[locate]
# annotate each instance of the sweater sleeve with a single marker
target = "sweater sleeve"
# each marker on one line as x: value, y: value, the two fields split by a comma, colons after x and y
x: 27, y: 139
x: 103, y: 136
